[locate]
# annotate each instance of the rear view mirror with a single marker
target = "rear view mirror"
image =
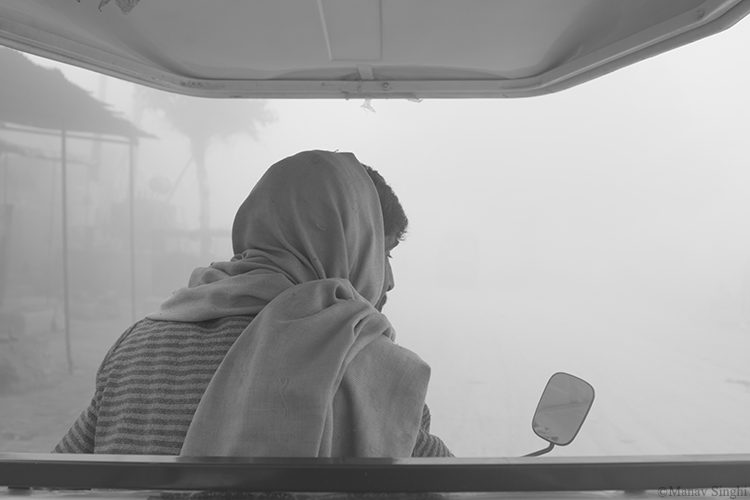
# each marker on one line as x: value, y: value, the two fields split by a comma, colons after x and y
x: 563, y: 407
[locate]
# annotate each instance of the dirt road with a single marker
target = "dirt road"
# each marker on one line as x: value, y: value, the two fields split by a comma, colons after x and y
x: 664, y: 384
x: 40, y: 411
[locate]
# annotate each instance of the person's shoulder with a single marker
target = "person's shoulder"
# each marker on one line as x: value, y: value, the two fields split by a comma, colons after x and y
x: 148, y: 336
x: 146, y: 325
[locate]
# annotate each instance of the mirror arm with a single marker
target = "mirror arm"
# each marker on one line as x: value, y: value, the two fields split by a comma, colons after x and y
x: 541, y: 452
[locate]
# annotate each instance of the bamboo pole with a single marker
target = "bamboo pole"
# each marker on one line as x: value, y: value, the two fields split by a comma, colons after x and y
x: 131, y: 194
x: 66, y: 284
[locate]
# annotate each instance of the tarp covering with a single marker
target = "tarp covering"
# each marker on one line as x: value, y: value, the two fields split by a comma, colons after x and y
x: 35, y: 96
x: 13, y: 148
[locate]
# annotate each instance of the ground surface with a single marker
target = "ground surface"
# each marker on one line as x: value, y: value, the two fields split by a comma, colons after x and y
x: 664, y: 384
x: 40, y: 410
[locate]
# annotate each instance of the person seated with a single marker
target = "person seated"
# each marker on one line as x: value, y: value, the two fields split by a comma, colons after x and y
x: 283, y: 351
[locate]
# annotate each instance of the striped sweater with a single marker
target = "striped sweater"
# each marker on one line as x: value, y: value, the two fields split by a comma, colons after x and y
x: 151, y: 381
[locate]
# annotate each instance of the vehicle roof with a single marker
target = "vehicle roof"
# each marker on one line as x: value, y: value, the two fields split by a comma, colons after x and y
x: 359, y: 48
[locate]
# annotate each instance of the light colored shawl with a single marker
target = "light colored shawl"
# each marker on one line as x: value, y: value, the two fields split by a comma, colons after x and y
x: 316, y: 373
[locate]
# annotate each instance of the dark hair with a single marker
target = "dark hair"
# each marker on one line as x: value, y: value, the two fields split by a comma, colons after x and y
x: 394, y: 217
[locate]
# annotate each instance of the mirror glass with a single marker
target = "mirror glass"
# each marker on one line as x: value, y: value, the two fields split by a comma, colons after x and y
x: 562, y: 408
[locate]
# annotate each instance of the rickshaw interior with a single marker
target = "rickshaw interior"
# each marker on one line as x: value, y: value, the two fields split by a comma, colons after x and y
x: 575, y: 204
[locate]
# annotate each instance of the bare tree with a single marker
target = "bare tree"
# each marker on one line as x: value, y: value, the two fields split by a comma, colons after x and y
x: 201, y: 121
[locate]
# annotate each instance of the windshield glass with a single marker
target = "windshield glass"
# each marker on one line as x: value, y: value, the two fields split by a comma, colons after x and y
x: 602, y: 231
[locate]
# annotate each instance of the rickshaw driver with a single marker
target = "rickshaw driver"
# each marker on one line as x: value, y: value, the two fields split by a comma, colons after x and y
x: 283, y: 350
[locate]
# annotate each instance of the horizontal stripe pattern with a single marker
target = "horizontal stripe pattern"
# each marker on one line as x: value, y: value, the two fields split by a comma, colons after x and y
x: 427, y: 444
x: 151, y: 382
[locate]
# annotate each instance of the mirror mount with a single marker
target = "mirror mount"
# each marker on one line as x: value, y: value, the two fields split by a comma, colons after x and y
x: 543, y: 451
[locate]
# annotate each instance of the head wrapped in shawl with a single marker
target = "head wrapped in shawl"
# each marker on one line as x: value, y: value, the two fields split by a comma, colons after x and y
x: 316, y: 372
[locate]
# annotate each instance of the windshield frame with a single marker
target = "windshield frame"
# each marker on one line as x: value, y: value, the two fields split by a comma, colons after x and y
x: 409, y: 475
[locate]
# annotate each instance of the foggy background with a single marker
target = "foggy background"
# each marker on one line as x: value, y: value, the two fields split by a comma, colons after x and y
x: 603, y: 231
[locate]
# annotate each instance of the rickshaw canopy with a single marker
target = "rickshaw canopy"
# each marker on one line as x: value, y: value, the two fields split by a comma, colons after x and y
x: 359, y: 48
